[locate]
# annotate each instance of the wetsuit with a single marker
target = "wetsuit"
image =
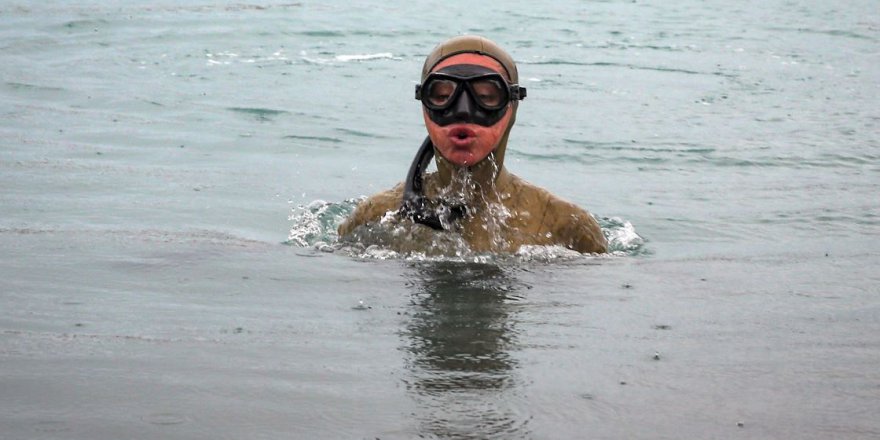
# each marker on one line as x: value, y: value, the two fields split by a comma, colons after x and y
x: 501, y: 211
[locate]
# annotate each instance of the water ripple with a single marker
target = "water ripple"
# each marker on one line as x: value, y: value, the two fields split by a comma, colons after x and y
x: 260, y: 114
x: 557, y: 62
x: 828, y: 32
x: 314, y: 138
x: 357, y: 133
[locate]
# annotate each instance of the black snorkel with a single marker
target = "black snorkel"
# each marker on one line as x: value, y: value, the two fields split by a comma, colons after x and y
x: 418, y: 207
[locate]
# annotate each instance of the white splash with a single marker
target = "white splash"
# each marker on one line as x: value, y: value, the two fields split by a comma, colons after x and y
x: 315, y: 226
x: 546, y: 253
x: 621, y: 235
x: 227, y: 57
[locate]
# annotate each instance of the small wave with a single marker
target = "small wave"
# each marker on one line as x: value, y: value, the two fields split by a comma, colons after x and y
x: 204, y: 237
x: 345, y: 58
x: 639, y: 152
x: 225, y: 58
x: 323, y: 34
x: 311, y: 60
x: 826, y: 160
x: 664, y: 69
x: 357, y: 133
x: 828, y: 32
x: 314, y: 138
x: 86, y: 24
x: 586, y: 158
x: 261, y: 114
x: 315, y: 225
x: 365, y: 57
x: 29, y: 87
x: 122, y: 10
x: 683, y: 147
x: 622, y: 236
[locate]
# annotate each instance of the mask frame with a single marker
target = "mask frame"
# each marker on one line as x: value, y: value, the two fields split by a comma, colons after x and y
x: 512, y: 92
x: 464, y: 104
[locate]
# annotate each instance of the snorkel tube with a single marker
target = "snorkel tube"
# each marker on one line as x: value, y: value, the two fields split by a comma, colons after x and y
x: 415, y: 205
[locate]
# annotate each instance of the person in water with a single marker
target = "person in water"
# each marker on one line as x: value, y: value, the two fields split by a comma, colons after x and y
x: 469, y: 92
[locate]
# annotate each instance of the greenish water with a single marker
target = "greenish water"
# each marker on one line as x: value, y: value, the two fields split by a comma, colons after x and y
x: 171, y: 176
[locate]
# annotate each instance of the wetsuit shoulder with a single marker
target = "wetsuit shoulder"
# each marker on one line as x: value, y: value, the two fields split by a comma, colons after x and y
x: 568, y: 224
x: 372, y: 209
x: 576, y: 228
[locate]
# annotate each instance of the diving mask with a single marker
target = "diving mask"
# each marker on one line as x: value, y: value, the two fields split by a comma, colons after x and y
x: 467, y: 93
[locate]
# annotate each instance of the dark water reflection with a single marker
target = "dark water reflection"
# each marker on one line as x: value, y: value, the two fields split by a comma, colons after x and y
x: 460, y: 343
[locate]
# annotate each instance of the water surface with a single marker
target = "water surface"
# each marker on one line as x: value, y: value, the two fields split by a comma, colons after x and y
x: 159, y: 161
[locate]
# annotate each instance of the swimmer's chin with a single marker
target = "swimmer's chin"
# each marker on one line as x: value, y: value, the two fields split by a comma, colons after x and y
x: 462, y: 159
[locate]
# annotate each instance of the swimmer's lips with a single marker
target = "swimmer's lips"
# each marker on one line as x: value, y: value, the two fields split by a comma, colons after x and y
x: 462, y: 137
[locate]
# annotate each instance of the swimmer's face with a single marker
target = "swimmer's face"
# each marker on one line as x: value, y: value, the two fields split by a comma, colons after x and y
x: 466, y: 143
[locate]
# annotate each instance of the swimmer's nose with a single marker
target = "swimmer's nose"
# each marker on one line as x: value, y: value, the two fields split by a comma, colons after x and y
x: 463, y: 109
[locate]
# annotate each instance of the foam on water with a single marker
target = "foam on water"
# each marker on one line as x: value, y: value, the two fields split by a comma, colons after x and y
x: 365, y: 57
x: 315, y: 224
x: 345, y: 58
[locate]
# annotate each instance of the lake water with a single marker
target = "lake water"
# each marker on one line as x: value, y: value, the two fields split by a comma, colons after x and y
x: 171, y: 175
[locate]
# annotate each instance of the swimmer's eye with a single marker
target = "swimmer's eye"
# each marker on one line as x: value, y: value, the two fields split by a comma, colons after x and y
x: 440, y: 91
x: 490, y: 92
